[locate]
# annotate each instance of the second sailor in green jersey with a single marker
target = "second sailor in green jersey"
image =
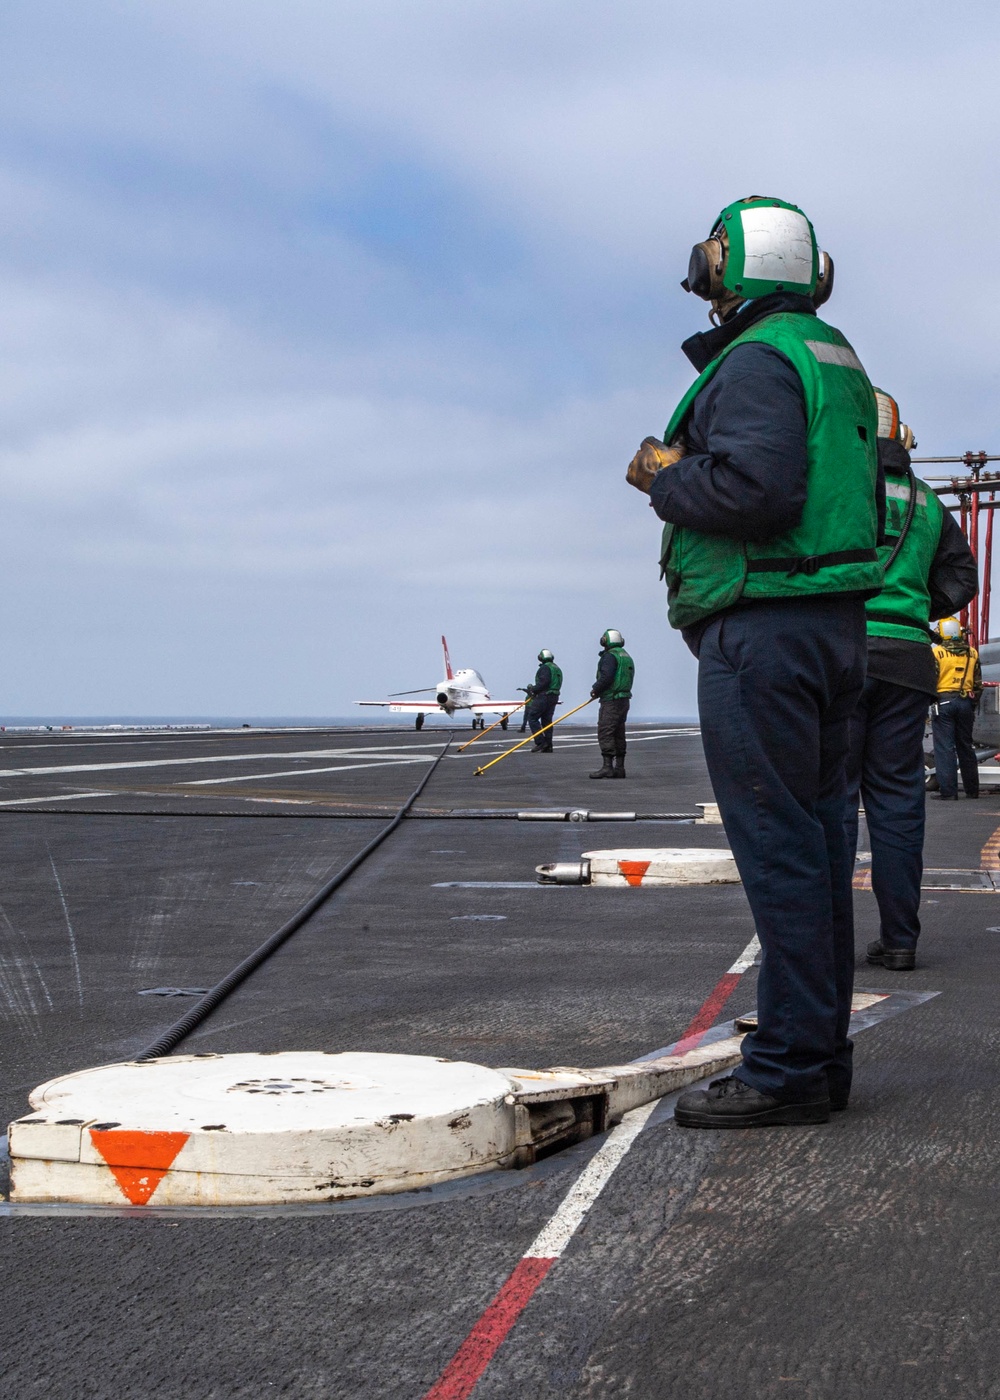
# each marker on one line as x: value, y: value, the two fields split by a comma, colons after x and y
x: 613, y: 686
x: 928, y: 569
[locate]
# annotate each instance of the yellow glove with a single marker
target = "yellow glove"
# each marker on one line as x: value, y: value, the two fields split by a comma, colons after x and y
x: 651, y: 458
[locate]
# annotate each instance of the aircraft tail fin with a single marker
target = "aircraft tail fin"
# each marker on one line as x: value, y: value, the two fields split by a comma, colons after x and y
x: 449, y: 673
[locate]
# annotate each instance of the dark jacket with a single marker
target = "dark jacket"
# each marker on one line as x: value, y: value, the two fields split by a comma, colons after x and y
x: 607, y: 669
x: 543, y: 679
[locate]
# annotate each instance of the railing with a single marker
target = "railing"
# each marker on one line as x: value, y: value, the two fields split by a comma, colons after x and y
x: 969, y: 491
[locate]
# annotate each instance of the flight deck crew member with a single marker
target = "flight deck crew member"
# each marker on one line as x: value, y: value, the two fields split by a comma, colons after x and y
x: 929, y: 569
x: 543, y: 697
x: 615, y: 673
x: 766, y: 479
x: 959, y: 686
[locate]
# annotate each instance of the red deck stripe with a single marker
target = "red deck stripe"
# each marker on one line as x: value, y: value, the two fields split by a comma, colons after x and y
x: 477, y: 1351
x: 706, y: 1016
x: 479, y: 1347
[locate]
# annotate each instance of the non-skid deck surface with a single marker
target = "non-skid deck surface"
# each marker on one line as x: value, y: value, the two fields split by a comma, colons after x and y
x: 850, y: 1260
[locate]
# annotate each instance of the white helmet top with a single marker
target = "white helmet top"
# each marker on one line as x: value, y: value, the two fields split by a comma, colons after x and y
x: 612, y: 638
x: 949, y: 629
x: 545, y: 655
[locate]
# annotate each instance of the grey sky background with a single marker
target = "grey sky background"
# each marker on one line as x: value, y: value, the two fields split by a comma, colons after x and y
x: 329, y: 327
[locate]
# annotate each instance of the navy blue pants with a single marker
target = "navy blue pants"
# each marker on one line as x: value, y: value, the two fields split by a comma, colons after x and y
x: 952, y: 725
x: 886, y: 765
x: 541, y: 710
x: 777, y: 685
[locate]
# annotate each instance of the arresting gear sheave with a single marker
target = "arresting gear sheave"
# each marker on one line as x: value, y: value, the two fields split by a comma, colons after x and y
x: 218, y: 1130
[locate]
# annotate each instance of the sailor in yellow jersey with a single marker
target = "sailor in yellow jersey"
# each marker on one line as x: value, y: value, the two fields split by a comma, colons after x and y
x: 960, y: 684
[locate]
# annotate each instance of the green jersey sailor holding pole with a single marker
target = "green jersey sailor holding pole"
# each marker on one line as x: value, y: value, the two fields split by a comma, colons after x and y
x: 543, y: 697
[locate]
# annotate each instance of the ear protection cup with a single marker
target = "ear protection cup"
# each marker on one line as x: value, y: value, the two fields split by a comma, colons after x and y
x: 824, y: 281
x: 905, y: 435
x: 705, y: 268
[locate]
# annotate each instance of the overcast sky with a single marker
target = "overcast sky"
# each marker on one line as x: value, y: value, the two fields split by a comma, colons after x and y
x: 327, y: 327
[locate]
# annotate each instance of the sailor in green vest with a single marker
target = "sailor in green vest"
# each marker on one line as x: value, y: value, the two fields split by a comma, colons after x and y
x: 766, y: 481
x: 543, y: 697
x: 928, y: 570
x: 613, y: 684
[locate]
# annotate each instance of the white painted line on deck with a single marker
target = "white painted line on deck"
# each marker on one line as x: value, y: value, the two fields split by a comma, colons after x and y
x: 301, y: 772
x: 555, y: 1235
x: 54, y: 797
x: 387, y: 749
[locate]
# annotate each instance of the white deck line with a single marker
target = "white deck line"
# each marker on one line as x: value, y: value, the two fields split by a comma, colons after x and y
x: 214, y: 758
x: 386, y: 750
x: 300, y: 772
x: 54, y: 797
x: 556, y: 1233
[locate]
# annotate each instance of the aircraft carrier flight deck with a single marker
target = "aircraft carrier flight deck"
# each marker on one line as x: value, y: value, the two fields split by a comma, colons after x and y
x: 858, y: 1258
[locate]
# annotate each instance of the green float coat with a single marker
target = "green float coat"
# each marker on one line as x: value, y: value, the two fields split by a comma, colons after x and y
x: 621, y: 686
x: 555, y: 684
x: 832, y: 548
x: 903, y: 608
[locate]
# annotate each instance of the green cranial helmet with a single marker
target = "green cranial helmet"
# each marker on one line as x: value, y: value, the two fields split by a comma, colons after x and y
x: 545, y: 655
x: 759, y: 246
x: 612, y: 638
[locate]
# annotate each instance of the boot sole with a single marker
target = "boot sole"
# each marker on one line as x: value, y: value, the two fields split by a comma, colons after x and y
x: 783, y: 1116
x: 893, y: 965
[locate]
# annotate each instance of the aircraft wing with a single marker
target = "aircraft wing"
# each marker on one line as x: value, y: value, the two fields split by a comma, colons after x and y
x: 404, y: 707
x: 495, y: 707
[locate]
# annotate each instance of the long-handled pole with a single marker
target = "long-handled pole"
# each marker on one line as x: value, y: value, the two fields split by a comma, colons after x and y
x: 532, y: 737
x: 513, y: 709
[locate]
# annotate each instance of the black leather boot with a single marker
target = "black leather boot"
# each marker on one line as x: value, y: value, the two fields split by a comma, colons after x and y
x: 729, y: 1103
x: 606, y: 769
x: 619, y: 767
x: 893, y: 959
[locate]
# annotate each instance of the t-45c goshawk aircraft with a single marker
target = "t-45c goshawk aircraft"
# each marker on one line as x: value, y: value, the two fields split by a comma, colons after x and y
x: 460, y: 690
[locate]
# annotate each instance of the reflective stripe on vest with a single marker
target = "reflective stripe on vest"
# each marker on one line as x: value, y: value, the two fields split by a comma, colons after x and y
x: 903, y: 608
x: 832, y: 548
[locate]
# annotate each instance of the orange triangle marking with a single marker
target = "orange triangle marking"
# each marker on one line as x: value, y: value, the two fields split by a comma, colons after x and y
x: 138, y: 1161
x: 634, y: 870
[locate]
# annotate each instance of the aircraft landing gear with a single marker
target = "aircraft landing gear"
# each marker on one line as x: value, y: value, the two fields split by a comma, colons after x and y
x: 503, y: 722
x: 419, y: 722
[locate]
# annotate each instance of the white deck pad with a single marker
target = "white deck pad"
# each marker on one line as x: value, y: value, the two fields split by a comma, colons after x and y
x: 257, y: 1129
x: 662, y: 866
